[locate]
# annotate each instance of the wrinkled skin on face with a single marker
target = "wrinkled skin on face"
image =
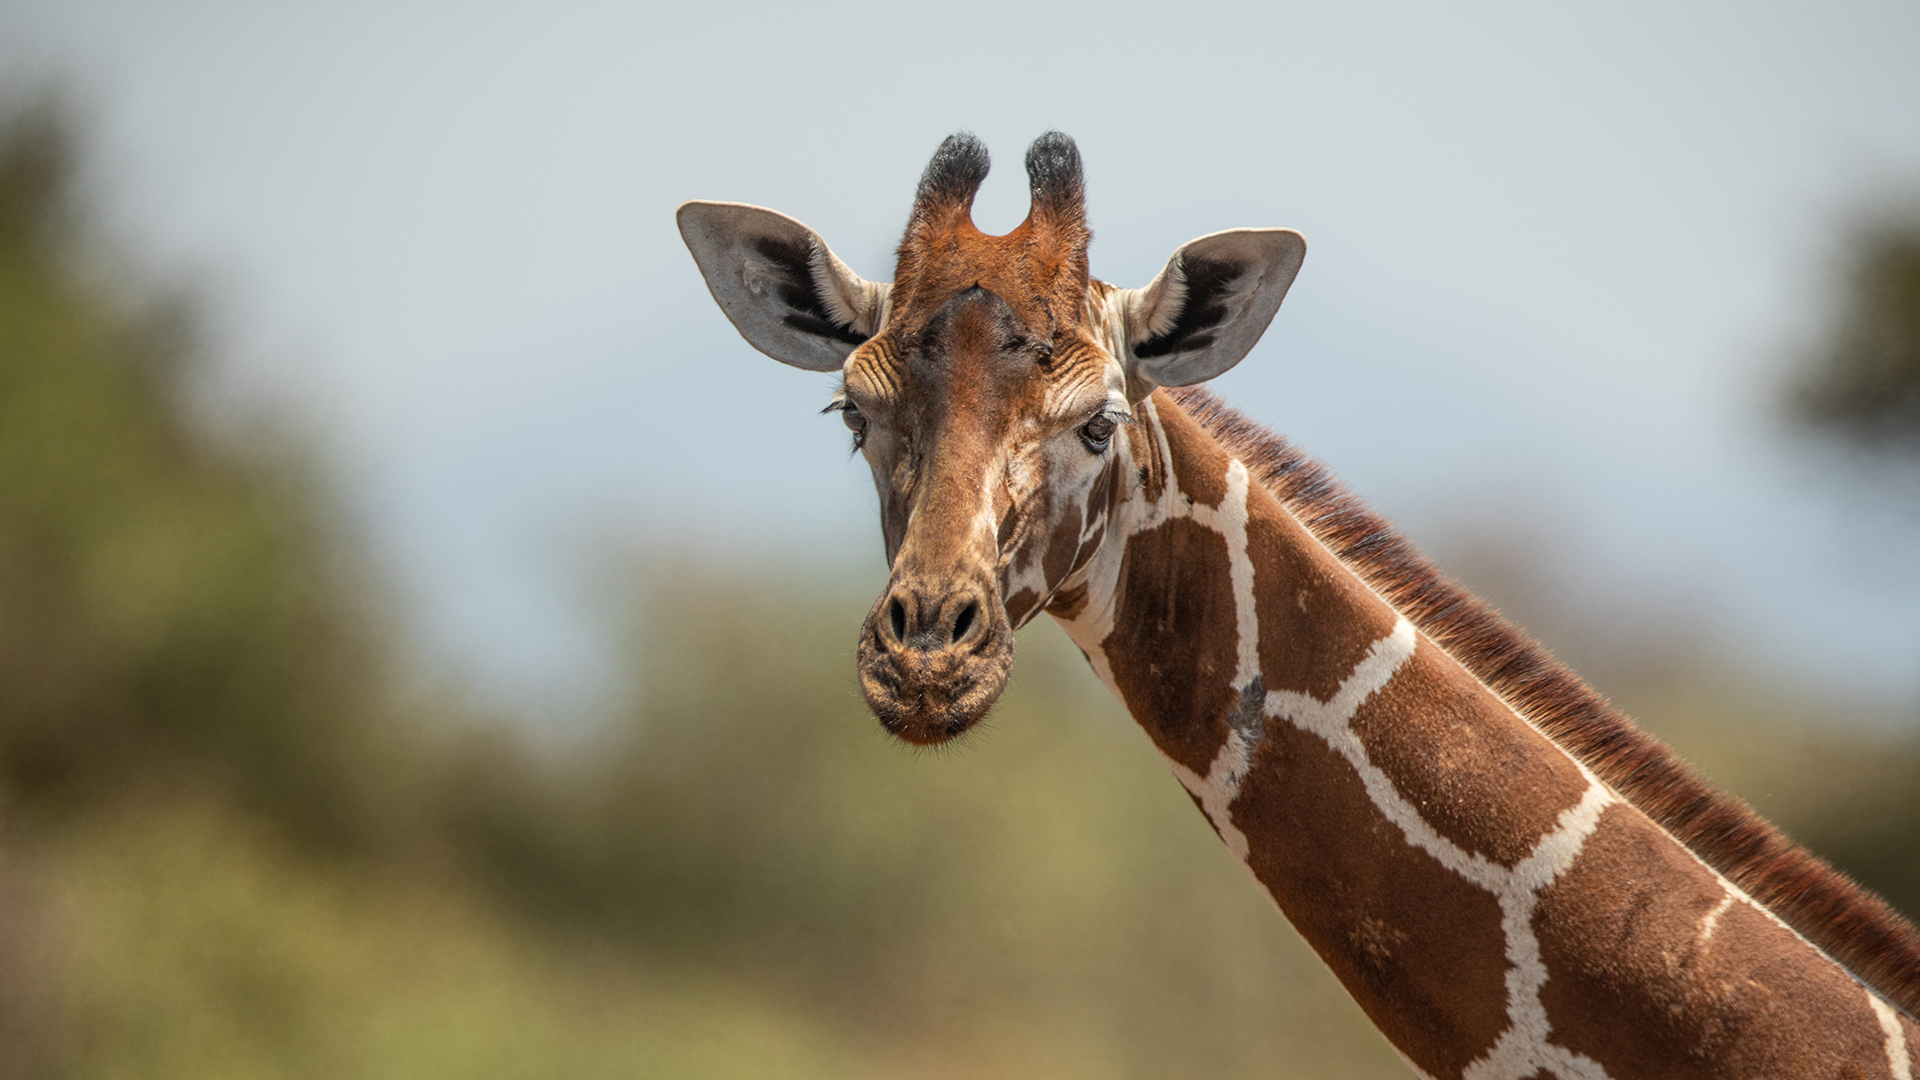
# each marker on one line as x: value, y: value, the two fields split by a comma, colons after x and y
x: 993, y: 449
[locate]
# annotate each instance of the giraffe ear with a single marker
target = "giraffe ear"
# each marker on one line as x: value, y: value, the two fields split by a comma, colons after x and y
x: 783, y: 288
x: 1208, y: 307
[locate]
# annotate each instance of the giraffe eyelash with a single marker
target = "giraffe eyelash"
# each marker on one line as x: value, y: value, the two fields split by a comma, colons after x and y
x: 1096, y: 433
x: 850, y: 415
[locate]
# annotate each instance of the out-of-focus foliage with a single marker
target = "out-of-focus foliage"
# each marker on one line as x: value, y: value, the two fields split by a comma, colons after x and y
x: 1863, y: 382
x: 225, y: 849
x: 167, y: 602
x: 200, y: 946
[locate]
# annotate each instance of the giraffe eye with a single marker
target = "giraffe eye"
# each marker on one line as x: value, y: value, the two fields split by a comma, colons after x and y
x: 1097, y: 433
x: 850, y: 415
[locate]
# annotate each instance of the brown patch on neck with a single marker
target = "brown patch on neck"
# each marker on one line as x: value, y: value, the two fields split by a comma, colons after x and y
x: 1427, y: 730
x: 1311, y: 628
x: 1856, y: 928
x: 1637, y: 989
x: 1420, y: 948
x: 1171, y: 595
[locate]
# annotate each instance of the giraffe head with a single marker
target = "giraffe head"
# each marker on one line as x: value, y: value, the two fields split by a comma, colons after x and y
x: 990, y: 388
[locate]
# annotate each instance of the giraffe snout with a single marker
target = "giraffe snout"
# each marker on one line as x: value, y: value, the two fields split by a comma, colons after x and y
x: 934, y: 658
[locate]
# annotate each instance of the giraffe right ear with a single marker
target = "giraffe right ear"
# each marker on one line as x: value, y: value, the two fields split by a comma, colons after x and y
x: 1206, y: 310
x: 784, y: 290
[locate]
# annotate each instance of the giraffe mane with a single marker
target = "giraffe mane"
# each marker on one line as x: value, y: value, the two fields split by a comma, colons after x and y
x: 1852, y: 925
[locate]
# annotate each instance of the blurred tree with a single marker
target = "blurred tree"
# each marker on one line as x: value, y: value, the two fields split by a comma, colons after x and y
x: 1863, y: 382
x: 173, y: 603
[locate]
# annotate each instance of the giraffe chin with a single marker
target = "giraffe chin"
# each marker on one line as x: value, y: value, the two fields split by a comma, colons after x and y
x: 928, y: 696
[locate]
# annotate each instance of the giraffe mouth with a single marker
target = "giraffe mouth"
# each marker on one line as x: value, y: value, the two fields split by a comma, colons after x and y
x: 933, y: 664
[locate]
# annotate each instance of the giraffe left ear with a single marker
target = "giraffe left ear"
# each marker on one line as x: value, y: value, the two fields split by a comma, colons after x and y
x: 1206, y: 310
x: 785, y: 291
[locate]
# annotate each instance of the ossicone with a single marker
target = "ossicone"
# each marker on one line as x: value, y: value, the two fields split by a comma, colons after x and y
x: 1057, y: 219
x: 1054, y: 174
x: 951, y: 179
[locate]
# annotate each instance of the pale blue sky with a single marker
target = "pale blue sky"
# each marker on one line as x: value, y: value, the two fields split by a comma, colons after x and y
x: 1556, y: 253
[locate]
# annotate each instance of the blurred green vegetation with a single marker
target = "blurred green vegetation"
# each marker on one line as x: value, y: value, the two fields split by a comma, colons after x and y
x: 169, y: 603
x: 238, y: 841
x: 1862, y: 383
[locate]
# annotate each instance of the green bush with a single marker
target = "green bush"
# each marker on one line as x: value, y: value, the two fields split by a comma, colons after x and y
x: 171, y: 602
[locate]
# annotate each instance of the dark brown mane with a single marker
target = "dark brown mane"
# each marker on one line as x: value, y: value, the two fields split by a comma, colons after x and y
x: 1855, y: 927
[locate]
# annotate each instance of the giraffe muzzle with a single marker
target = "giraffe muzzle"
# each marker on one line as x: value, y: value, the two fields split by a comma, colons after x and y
x: 933, y: 658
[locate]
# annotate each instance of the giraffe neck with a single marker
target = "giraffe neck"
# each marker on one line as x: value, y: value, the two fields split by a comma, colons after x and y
x: 1494, y: 907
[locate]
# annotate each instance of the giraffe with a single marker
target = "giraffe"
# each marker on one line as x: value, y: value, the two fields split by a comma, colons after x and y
x: 1510, y: 878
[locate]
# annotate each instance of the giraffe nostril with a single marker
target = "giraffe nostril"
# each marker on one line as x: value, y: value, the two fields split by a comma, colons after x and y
x: 897, y: 618
x: 965, y: 620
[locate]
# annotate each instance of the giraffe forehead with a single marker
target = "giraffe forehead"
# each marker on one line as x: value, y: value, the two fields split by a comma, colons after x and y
x: 963, y: 261
x: 1029, y: 268
x: 997, y: 393
x: 977, y: 360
